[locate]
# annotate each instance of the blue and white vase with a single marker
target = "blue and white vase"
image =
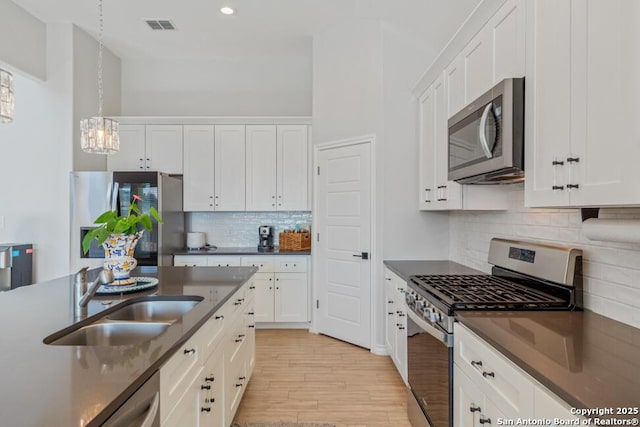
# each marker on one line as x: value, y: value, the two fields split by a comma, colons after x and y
x: 118, y: 254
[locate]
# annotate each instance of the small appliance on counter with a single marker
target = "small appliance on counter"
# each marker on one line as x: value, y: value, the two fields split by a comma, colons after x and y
x: 196, y: 241
x: 15, y: 265
x: 265, y: 233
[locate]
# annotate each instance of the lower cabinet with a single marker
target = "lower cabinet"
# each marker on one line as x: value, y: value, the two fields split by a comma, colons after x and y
x: 202, y: 383
x: 396, y: 321
x: 489, y: 388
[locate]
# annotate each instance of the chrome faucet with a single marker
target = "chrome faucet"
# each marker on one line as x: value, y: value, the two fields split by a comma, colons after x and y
x: 83, y: 292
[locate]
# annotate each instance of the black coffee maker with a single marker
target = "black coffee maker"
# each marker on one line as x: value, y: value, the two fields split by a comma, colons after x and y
x: 265, y: 233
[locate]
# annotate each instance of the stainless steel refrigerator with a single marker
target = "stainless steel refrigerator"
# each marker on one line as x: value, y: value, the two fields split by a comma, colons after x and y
x: 95, y: 192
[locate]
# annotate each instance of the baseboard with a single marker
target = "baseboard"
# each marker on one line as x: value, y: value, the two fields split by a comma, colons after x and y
x: 282, y: 325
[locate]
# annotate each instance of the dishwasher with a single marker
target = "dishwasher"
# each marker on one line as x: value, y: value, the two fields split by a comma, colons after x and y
x: 142, y: 409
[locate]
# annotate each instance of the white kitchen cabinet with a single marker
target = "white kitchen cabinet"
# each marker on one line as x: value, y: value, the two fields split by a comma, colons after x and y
x: 488, y: 386
x: 477, y: 58
x: 214, y: 166
x: 229, y: 168
x: 436, y: 191
x: 198, y: 177
x: 582, y: 108
x: 396, y: 321
x: 507, y: 31
x: 206, y: 261
x: 281, y: 288
x: 261, y: 168
x: 455, y: 86
x: 277, y: 167
x: 198, y: 384
x: 131, y: 155
x: 292, y: 171
x: 149, y: 148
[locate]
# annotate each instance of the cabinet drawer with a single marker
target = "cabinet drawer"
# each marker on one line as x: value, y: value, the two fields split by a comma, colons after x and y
x: 223, y: 261
x: 187, y: 410
x: 264, y: 264
x: 292, y: 265
x: 179, y: 372
x: 190, y: 261
x: 499, y: 378
x: 213, y: 331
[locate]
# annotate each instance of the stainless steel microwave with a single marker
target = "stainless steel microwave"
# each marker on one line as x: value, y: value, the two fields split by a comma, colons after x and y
x: 486, y: 138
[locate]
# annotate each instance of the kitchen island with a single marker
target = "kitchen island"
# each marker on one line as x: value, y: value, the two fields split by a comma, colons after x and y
x: 52, y: 385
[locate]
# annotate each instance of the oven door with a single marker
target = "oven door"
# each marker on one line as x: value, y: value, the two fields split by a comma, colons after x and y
x: 430, y: 370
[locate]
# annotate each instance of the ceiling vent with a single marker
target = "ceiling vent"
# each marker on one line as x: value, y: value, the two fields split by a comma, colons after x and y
x: 160, y: 24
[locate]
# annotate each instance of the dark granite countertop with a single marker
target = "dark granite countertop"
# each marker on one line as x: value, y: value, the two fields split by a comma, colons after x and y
x: 250, y: 250
x: 588, y: 360
x: 47, y: 385
x: 404, y: 269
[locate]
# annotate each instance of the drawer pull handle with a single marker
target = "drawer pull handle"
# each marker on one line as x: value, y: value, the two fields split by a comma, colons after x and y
x: 209, y: 379
x: 237, y: 303
x: 401, y: 328
x: 252, y: 287
x: 241, y: 336
x: 474, y: 363
x: 488, y: 374
x: 252, y: 326
x: 387, y: 278
x: 205, y: 387
x: 242, y: 378
x: 238, y: 385
x: 400, y: 314
x: 190, y: 351
x: 219, y: 317
x: 251, y: 313
x: 390, y: 302
x: 474, y: 408
x: 390, y: 313
x: 205, y: 409
x: 239, y: 340
x: 485, y: 420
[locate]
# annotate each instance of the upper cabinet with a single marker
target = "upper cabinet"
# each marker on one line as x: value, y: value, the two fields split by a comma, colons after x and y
x: 582, y: 130
x: 277, y: 167
x: 214, y: 168
x: 148, y: 148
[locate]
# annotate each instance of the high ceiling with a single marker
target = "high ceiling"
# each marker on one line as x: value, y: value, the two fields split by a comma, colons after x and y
x: 259, y: 27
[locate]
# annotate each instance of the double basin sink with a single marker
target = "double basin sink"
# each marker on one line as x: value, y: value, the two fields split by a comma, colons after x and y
x: 131, y: 322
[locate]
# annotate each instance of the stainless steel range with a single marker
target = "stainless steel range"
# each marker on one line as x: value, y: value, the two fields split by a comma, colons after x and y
x: 525, y: 276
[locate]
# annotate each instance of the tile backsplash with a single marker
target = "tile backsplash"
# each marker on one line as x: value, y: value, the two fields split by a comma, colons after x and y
x: 240, y: 229
x: 611, y: 270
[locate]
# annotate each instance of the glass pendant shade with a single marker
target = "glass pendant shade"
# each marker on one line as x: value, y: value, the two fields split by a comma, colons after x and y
x: 7, y: 101
x: 99, y: 135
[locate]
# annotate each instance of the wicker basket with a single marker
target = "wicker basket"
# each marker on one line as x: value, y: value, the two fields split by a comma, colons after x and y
x: 290, y: 241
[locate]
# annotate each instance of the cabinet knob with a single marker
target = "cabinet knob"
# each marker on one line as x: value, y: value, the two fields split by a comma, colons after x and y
x: 141, y: 167
x: 273, y: 197
x: 141, y: 159
x: 148, y: 159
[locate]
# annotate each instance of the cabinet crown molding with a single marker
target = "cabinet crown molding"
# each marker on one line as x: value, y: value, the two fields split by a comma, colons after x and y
x: 213, y: 120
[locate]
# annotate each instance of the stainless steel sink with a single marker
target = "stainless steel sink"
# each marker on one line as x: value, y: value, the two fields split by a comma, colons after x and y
x: 111, y: 333
x: 154, y: 311
x: 131, y: 322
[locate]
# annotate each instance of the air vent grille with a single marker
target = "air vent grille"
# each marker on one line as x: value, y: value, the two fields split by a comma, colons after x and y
x: 160, y: 24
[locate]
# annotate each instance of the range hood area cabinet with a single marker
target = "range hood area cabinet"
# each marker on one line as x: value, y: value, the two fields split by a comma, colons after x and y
x: 582, y: 127
x: 246, y: 168
x: 456, y: 79
x: 148, y: 148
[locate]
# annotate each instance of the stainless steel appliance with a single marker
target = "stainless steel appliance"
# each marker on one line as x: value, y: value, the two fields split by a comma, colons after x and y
x: 140, y: 410
x: 486, y: 138
x: 16, y: 265
x: 95, y: 192
x: 525, y: 276
x: 265, y: 234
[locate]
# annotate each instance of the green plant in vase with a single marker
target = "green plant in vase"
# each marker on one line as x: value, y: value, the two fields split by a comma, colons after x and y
x: 118, y: 235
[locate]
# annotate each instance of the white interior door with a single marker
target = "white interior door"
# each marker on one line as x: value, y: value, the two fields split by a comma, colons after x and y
x: 344, y: 226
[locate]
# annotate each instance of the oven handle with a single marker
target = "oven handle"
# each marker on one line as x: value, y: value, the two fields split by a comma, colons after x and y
x: 443, y: 337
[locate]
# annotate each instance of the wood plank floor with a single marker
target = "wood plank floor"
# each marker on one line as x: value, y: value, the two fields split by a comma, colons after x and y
x: 303, y: 377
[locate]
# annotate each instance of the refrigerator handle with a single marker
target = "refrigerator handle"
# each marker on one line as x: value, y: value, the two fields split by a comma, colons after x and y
x: 114, y: 196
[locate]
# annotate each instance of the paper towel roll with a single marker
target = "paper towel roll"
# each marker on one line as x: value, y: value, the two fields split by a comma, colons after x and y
x: 612, y: 230
x: 195, y: 240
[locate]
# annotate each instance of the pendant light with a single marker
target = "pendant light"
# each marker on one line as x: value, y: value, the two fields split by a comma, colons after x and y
x: 7, y: 102
x: 99, y: 135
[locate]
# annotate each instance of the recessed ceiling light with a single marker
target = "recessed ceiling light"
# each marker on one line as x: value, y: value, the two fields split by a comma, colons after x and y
x: 226, y: 10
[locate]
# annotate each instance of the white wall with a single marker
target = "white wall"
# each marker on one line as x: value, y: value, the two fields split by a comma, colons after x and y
x: 611, y: 270
x: 407, y: 232
x: 230, y: 86
x: 23, y: 41
x: 85, y: 93
x: 36, y: 160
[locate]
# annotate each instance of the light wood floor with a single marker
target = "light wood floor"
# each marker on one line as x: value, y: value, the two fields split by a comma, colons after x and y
x: 303, y: 377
